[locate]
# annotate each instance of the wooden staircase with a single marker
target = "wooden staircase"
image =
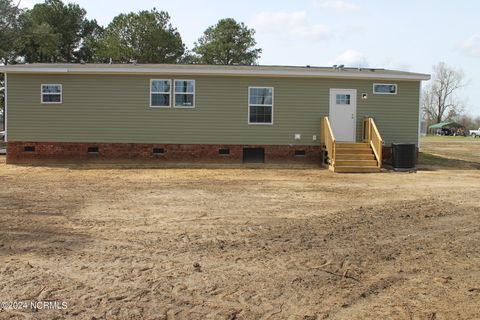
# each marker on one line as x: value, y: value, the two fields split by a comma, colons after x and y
x: 355, y: 157
x: 352, y: 157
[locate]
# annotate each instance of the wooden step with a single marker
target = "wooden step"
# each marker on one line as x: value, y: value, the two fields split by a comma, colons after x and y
x: 356, y: 169
x: 353, y: 151
x: 353, y: 163
x: 370, y: 156
x: 353, y: 145
x: 354, y: 158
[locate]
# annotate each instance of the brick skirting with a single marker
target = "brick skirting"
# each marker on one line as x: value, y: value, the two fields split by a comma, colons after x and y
x: 31, y: 152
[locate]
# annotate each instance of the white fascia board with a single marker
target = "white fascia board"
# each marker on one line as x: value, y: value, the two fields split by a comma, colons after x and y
x: 13, y: 69
x: 217, y: 71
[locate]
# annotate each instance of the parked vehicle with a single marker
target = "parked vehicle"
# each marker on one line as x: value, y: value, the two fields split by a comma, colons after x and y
x: 475, y: 133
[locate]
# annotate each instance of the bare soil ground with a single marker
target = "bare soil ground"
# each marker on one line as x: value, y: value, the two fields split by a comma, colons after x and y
x: 240, y: 243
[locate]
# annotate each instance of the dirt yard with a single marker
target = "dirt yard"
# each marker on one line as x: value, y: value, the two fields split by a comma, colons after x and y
x: 240, y: 243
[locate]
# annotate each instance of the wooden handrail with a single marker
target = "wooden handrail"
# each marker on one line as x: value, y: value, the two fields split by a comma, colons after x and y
x: 327, y: 139
x: 372, y: 136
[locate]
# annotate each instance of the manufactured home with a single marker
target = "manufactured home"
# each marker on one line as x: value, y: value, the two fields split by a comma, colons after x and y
x: 343, y: 118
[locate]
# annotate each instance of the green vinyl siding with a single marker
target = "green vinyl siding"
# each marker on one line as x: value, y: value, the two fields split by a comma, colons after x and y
x: 116, y: 108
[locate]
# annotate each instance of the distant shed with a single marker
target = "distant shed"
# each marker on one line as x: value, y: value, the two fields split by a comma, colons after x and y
x: 448, y: 125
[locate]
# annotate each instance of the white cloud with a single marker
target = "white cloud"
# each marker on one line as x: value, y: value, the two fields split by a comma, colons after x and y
x: 294, y: 24
x: 471, y: 46
x: 350, y: 58
x: 339, y: 5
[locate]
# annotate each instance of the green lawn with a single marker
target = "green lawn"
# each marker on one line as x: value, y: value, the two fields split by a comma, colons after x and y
x: 450, y: 152
x: 449, y: 139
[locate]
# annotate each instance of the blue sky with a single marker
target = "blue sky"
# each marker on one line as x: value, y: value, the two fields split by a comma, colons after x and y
x: 409, y: 35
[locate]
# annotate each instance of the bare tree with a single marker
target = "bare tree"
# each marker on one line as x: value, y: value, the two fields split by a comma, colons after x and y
x: 469, y: 121
x: 440, y: 99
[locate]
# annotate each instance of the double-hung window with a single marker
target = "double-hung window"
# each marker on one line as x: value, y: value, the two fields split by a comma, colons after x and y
x: 260, y: 105
x: 51, y: 93
x: 184, y: 94
x: 160, y: 93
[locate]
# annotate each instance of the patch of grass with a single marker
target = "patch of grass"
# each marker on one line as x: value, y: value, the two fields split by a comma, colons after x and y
x: 466, y: 149
x: 448, y: 139
x: 432, y: 160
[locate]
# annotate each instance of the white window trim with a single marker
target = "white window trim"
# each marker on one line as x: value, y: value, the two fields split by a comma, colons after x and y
x: 385, y: 84
x: 169, y: 94
x: 42, y: 93
x: 260, y: 105
x: 191, y: 93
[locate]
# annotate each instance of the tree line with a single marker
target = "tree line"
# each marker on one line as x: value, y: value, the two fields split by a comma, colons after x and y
x: 57, y: 32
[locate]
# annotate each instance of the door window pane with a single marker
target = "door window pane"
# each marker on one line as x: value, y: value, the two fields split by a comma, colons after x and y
x: 342, y: 99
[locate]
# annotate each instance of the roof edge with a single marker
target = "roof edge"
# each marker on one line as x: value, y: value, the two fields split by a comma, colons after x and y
x: 214, y: 70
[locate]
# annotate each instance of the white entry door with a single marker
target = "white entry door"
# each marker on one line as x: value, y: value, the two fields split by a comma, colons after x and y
x: 343, y: 113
